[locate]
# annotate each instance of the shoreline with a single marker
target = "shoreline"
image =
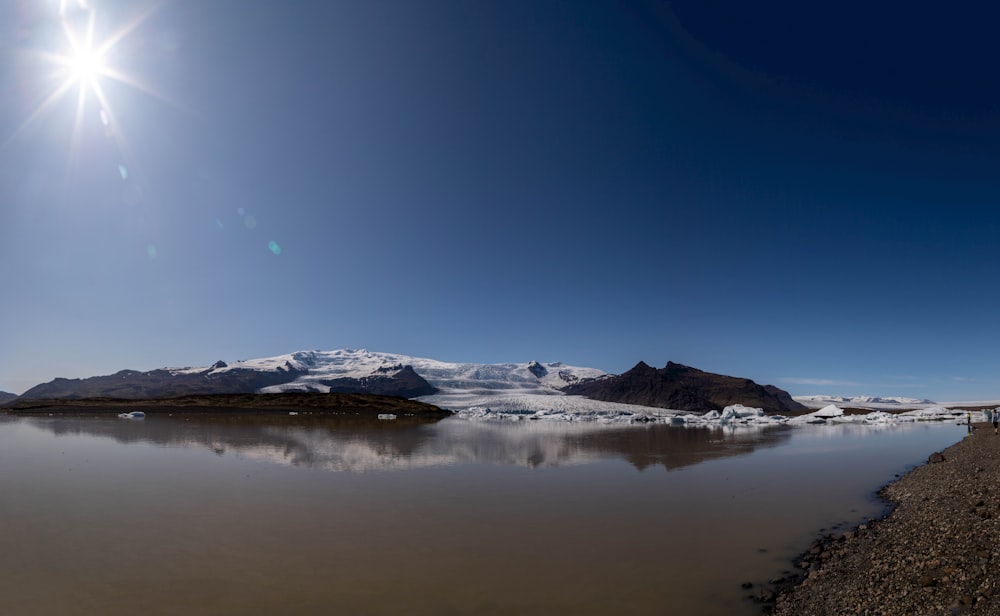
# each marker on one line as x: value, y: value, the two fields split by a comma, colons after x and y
x: 937, y: 551
x: 333, y: 404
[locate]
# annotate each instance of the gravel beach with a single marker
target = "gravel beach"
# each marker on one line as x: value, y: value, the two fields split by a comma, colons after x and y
x: 938, y: 552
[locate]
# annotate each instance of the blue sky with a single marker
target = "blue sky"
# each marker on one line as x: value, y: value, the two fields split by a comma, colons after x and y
x: 802, y: 194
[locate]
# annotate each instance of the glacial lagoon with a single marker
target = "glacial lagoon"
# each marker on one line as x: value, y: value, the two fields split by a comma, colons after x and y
x: 306, y: 514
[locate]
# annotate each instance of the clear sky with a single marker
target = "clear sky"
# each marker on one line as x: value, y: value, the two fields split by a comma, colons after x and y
x: 804, y: 194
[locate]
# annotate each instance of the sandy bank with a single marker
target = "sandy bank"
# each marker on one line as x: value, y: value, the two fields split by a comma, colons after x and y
x: 938, y: 552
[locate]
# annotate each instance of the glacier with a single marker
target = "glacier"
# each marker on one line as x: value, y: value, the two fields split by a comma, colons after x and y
x: 532, y: 391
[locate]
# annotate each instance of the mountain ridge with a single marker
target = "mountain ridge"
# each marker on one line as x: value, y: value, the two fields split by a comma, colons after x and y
x: 509, y: 387
x: 684, y: 388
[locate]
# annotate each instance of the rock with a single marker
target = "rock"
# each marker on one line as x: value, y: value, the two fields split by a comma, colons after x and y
x: 537, y: 369
x: 935, y: 458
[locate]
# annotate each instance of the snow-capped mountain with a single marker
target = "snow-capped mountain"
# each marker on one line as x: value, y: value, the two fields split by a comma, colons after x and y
x: 872, y: 402
x: 317, y: 367
x: 525, y: 387
x: 520, y: 387
x: 499, y: 391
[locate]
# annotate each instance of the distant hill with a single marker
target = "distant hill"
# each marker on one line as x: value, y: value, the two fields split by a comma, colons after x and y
x: 458, y: 385
x: 220, y: 378
x: 7, y: 397
x: 684, y: 388
x: 873, y: 402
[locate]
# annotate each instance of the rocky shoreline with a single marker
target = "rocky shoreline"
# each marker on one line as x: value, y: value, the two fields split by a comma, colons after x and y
x: 937, y: 552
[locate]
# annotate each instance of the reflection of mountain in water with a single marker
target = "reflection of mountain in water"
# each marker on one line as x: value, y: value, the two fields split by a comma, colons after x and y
x: 342, y: 444
x: 675, y: 447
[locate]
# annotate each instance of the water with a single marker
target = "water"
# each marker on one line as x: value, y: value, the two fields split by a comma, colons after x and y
x: 303, y: 515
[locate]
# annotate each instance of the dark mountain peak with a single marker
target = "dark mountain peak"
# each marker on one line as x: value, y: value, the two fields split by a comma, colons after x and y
x: 641, y: 367
x: 219, y: 364
x: 675, y: 368
x: 537, y: 369
x: 403, y: 382
x: 7, y: 397
x: 407, y: 371
x: 684, y: 388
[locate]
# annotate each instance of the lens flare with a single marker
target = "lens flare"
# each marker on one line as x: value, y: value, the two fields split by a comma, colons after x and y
x: 82, y: 64
x: 274, y: 247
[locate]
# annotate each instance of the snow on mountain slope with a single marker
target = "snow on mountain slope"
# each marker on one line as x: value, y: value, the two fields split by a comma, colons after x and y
x: 523, y: 387
x: 866, y: 402
x: 533, y: 389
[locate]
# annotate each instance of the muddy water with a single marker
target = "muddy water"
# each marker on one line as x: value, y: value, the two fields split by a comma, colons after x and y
x: 302, y: 515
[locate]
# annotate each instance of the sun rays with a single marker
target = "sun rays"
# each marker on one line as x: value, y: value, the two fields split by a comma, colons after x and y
x: 80, y: 65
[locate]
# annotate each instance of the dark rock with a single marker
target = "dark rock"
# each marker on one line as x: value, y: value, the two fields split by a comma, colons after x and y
x: 766, y: 595
x: 935, y: 458
x: 405, y: 382
x: 537, y: 369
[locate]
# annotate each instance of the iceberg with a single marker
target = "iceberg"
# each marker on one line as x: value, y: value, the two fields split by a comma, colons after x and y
x: 736, y: 416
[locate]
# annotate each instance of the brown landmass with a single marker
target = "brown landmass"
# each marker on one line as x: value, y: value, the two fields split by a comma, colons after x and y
x: 233, y: 403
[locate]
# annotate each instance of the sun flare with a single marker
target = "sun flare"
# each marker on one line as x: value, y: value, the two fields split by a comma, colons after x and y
x: 83, y: 65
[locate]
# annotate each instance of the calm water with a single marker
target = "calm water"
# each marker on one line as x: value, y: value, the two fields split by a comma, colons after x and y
x: 299, y: 515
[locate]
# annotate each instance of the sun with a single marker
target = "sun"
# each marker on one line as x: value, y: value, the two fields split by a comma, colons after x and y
x: 82, y: 65
x: 85, y: 65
